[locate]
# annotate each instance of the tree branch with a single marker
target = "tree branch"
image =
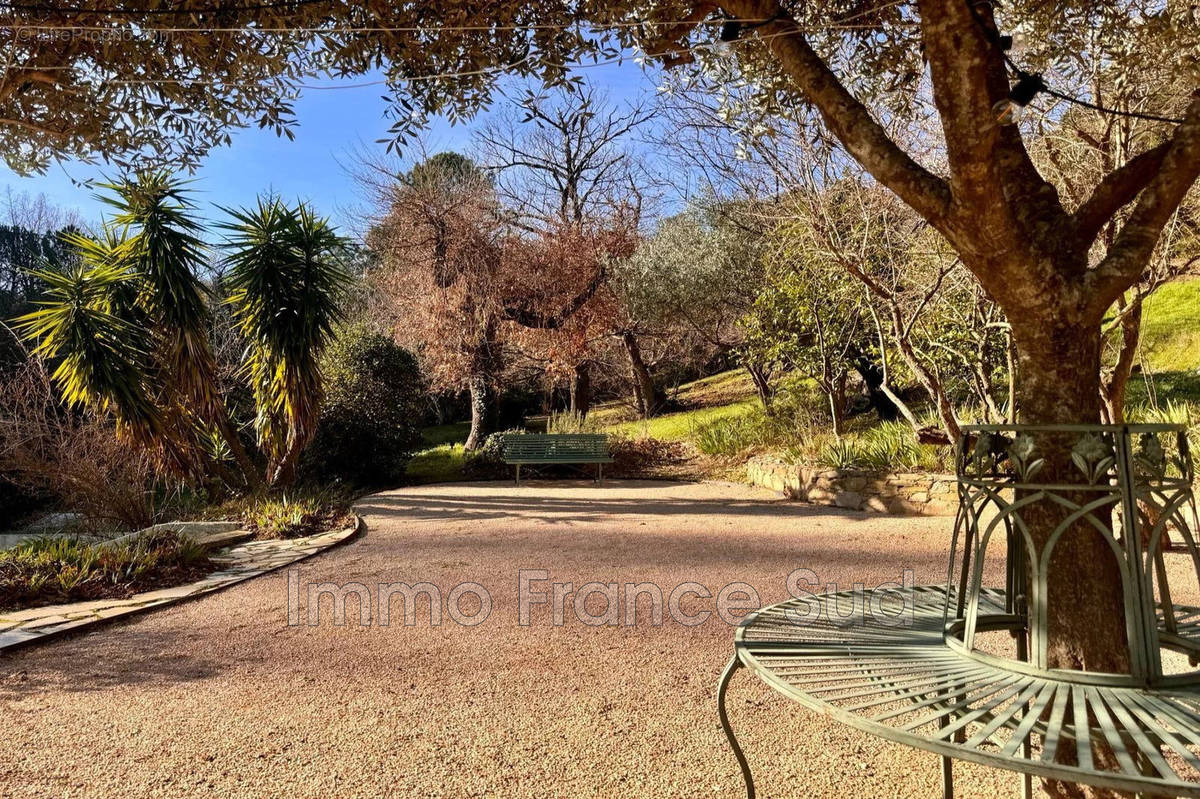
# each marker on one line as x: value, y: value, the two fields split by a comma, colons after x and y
x: 846, y: 117
x: 32, y: 127
x: 1117, y: 189
x: 1128, y: 256
x: 525, y: 316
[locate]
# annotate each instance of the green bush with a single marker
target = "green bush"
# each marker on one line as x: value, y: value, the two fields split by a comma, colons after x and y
x: 49, y: 570
x: 731, y: 435
x: 487, y: 462
x: 368, y: 426
x: 296, y: 515
x: 888, y: 447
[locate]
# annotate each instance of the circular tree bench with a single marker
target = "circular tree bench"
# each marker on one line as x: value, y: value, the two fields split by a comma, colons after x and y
x: 913, y: 668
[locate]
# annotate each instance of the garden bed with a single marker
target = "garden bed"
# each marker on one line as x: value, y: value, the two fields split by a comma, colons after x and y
x: 48, y: 570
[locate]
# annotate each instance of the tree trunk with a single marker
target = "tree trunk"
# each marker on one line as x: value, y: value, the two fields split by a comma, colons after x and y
x: 478, y: 389
x: 901, y: 406
x: 1059, y: 366
x: 647, y: 398
x: 762, y: 385
x: 249, y: 473
x: 837, y: 405
x: 932, y: 384
x: 872, y: 375
x: 283, y: 474
x: 581, y: 390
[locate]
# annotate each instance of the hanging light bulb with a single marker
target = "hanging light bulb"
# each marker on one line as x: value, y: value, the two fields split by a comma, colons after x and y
x: 1008, y: 111
x: 1021, y: 39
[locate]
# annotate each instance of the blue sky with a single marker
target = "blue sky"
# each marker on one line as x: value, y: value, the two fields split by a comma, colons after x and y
x: 332, y: 123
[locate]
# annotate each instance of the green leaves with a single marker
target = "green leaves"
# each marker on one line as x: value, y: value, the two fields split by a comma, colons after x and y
x: 82, y: 323
x: 128, y: 326
x: 286, y: 274
x: 166, y: 254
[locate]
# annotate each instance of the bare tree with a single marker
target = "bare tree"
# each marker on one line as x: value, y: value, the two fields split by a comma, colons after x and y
x: 564, y: 159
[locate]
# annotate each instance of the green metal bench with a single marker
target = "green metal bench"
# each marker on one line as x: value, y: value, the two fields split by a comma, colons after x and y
x: 521, y: 449
x: 929, y: 681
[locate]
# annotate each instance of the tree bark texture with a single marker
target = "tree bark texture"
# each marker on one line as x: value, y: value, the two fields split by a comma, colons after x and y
x: 646, y: 396
x: 581, y: 390
x: 477, y: 387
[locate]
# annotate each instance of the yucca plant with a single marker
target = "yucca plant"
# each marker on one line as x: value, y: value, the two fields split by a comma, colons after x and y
x: 129, y: 327
x: 285, y: 275
x: 101, y: 355
x: 166, y: 254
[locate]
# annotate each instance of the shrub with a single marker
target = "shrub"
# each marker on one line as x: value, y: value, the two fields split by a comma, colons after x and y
x: 800, y: 405
x: 730, y: 435
x: 639, y: 456
x: 368, y: 426
x: 889, y: 447
x: 568, y: 422
x: 1174, y: 412
x: 487, y: 462
x: 45, y: 571
x: 841, y: 453
x: 294, y: 516
x: 76, y: 459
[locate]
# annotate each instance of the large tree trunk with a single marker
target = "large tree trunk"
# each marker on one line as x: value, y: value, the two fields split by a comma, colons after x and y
x: 477, y: 386
x: 581, y: 390
x: 1059, y: 364
x: 1059, y: 368
x: 648, y: 399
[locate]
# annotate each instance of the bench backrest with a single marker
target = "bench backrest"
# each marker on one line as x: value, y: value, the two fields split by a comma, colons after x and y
x: 559, y: 446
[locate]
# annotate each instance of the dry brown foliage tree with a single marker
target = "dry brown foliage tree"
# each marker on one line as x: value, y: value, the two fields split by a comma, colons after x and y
x: 70, y: 455
x: 458, y: 282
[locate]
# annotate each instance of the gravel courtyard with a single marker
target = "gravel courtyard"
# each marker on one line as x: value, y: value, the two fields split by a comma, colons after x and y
x: 222, y: 697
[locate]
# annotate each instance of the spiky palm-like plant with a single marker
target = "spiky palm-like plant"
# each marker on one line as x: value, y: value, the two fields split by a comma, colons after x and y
x: 286, y: 274
x: 140, y: 275
x: 101, y: 355
x: 166, y: 253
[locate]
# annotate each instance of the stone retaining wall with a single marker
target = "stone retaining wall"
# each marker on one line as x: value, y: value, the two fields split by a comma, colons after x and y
x: 907, y: 492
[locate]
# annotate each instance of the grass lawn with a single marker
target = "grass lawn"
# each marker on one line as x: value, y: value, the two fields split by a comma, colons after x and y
x: 443, y: 460
x: 441, y: 464
x: 1170, y: 345
x: 1171, y: 328
x: 679, y: 426
x: 1170, y: 353
x: 722, y: 390
x: 455, y: 433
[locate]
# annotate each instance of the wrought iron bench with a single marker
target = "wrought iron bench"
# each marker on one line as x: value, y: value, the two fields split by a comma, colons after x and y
x: 931, y: 684
x: 531, y: 449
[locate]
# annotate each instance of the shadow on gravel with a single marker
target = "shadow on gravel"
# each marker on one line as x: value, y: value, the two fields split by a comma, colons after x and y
x: 522, y: 502
x: 145, y: 658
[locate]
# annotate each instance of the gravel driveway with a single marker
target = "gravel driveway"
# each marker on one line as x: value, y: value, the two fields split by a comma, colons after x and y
x: 223, y: 697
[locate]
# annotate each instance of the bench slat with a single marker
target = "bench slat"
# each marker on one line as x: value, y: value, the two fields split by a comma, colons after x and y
x: 556, y: 448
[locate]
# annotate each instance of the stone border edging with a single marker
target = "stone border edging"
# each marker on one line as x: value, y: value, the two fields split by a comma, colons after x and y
x: 915, y: 493
x: 241, y: 562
